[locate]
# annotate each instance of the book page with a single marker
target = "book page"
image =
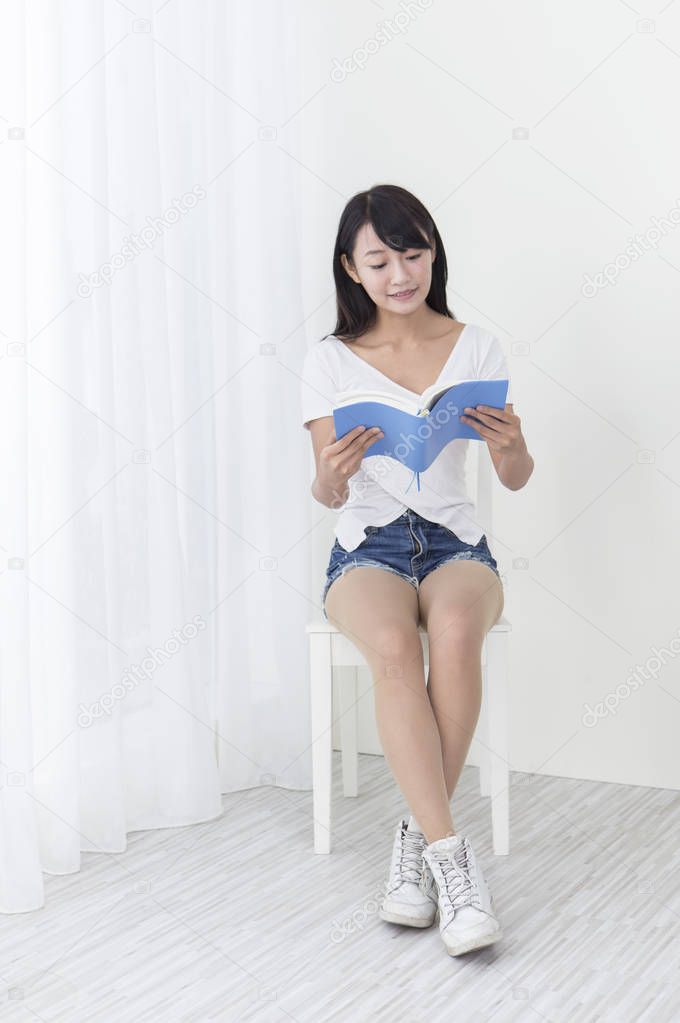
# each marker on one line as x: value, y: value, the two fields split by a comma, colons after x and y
x: 432, y: 394
x: 344, y: 398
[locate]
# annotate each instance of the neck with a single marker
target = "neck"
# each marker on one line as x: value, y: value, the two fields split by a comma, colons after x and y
x: 403, y: 328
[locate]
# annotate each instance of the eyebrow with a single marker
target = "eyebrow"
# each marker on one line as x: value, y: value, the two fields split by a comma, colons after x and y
x: 379, y: 252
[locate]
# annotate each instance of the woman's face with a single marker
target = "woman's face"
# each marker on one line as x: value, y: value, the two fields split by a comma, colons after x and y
x: 386, y: 274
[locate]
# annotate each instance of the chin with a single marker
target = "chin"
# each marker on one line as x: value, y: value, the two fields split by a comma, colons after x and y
x: 389, y: 306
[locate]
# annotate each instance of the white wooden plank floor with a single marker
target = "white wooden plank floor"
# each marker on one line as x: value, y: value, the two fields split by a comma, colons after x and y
x: 238, y: 920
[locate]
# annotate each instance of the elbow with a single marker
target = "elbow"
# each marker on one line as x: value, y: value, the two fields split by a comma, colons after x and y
x: 314, y: 492
x: 514, y: 484
x: 329, y: 498
x: 318, y: 494
x: 515, y: 471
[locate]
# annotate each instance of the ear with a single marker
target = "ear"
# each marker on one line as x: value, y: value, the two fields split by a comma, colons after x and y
x: 346, y: 264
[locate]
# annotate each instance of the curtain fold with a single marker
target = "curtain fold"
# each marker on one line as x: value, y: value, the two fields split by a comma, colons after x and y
x: 154, y: 572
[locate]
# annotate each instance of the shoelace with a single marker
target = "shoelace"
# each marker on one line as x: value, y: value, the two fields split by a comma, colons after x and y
x: 427, y: 883
x: 455, y: 871
x: 409, y: 866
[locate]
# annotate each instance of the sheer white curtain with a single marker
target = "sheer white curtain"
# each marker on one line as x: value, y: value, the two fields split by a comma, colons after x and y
x: 154, y: 571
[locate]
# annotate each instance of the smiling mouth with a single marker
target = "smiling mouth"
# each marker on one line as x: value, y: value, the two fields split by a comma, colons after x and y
x: 402, y: 294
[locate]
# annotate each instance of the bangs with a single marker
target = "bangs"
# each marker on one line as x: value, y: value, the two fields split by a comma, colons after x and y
x: 397, y: 227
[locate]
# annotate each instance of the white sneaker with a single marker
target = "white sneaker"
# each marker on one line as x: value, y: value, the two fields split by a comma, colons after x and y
x: 411, y: 896
x: 466, y: 910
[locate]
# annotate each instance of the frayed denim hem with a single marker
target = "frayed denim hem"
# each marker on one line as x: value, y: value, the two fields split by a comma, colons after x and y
x: 364, y: 563
x: 465, y: 556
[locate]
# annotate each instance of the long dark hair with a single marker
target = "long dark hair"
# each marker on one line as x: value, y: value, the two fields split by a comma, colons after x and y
x: 399, y: 219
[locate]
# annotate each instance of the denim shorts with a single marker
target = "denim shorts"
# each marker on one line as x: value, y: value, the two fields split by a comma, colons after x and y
x: 410, y: 546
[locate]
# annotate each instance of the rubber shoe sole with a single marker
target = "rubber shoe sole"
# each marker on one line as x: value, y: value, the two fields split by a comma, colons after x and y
x: 469, y: 946
x: 394, y: 917
x: 459, y: 948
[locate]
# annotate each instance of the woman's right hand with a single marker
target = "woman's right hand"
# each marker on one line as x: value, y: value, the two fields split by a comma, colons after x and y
x: 340, y: 459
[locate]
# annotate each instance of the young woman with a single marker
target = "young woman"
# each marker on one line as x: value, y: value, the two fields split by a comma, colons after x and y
x: 404, y: 556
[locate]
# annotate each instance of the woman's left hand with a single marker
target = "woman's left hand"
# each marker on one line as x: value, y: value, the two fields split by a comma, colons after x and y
x: 500, y: 429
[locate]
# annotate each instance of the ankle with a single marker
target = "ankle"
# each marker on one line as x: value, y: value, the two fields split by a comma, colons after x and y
x: 436, y: 835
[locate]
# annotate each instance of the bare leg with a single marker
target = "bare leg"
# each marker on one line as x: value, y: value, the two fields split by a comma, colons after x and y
x: 378, y: 611
x: 459, y: 603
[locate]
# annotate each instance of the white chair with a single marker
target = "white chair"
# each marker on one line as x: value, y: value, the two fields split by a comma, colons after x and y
x: 329, y: 648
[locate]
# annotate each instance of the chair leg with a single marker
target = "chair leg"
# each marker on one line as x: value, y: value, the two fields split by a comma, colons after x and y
x: 321, y: 677
x: 497, y: 709
x: 348, y: 730
x: 482, y: 731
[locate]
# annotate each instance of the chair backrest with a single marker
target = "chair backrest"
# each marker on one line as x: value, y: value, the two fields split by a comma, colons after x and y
x: 485, y: 478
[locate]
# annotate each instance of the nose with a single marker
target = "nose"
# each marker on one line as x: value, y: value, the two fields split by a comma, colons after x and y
x: 400, y: 275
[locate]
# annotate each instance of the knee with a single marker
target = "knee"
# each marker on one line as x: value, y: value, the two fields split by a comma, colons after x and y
x: 455, y: 638
x: 397, y: 649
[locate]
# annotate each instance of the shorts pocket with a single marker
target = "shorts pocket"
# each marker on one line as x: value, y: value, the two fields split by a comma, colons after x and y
x: 481, y: 544
x: 451, y: 533
x: 370, y: 530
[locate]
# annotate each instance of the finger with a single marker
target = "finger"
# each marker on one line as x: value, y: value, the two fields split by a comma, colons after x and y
x: 374, y: 438
x: 492, y: 426
x: 359, y: 440
x: 489, y: 433
x: 487, y: 414
x: 483, y: 431
x: 349, y: 437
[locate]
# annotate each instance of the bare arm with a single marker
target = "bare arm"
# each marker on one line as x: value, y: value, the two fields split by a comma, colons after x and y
x: 337, y: 460
x: 502, y: 431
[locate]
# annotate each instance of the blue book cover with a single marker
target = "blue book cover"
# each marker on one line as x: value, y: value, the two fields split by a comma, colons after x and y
x: 415, y: 432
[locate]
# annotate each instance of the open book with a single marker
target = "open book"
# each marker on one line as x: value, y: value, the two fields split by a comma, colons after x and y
x: 417, y: 429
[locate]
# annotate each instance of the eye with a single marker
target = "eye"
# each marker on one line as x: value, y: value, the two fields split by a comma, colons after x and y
x: 381, y: 265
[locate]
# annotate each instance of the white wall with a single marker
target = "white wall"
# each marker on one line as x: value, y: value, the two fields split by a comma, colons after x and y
x: 542, y: 139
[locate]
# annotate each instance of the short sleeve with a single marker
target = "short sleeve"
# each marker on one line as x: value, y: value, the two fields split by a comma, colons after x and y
x: 317, y: 388
x: 494, y: 366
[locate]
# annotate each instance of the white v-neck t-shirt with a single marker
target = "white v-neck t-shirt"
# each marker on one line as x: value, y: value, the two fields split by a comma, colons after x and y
x: 378, y: 490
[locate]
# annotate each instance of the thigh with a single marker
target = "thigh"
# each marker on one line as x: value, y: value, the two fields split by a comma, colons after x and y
x: 459, y: 602
x: 378, y: 611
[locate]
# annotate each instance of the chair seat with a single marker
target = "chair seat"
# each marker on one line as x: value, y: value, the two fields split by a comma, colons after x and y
x: 319, y: 625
